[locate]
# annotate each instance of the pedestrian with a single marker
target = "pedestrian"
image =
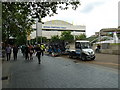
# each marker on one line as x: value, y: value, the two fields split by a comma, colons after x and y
x: 38, y: 54
x: 42, y: 49
x: 50, y: 49
x: 23, y: 50
x: 15, y: 52
x: 27, y: 52
x: 8, y: 52
x: 98, y: 48
x: 31, y: 49
x: 59, y: 51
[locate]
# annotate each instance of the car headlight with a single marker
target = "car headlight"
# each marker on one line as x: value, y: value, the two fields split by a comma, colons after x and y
x: 88, y: 53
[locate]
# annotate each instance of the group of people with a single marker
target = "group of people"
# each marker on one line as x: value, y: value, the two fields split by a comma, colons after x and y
x: 27, y: 51
x: 8, y: 51
x: 56, y: 48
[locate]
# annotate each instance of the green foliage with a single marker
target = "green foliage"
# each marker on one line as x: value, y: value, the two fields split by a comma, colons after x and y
x: 44, y: 39
x: 81, y: 37
x: 15, y: 21
x: 55, y: 38
x: 17, y: 17
x: 114, y: 43
x: 92, y: 38
x: 66, y: 36
x: 21, y: 39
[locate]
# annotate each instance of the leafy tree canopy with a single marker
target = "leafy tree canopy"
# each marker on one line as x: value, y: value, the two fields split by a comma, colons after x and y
x: 66, y: 36
x: 42, y: 39
x: 81, y: 37
x: 55, y: 38
x: 17, y: 17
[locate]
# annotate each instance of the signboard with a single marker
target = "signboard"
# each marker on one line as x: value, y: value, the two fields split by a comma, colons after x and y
x: 54, y: 27
x: 39, y: 29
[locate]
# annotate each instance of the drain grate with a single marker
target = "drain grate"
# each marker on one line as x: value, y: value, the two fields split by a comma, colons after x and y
x: 4, y: 78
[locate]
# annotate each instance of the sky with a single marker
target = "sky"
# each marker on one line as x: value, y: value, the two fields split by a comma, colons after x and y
x: 94, y: 14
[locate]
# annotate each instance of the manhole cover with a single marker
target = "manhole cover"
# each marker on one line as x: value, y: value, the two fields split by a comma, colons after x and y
x: 5, y: 78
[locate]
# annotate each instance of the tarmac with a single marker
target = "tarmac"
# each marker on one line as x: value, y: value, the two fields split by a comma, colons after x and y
x: 56, y: 72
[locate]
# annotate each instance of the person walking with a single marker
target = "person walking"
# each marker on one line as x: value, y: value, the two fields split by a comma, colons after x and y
x: 50, y: 50
x: 27, y: 52
x: 15, y: 51
x: 23, y: 50
x: 98, y: 47
x: 8, y: 52
x: 31, y: 51
x: 42, y: 49
x: 38, y: 54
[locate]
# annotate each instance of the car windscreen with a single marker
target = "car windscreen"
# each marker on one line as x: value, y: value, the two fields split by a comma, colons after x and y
x: 85, y: 45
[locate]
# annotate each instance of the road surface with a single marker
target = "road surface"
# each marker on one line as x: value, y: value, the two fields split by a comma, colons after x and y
x: 57, y: 72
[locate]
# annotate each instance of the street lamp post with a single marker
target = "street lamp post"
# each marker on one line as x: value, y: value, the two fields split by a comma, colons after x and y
x: 74, y: 34
x: 36, y: 30
x: 100, y: 37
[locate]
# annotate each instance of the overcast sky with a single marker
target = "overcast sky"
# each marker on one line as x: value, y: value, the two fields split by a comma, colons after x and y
x: 94, y: 14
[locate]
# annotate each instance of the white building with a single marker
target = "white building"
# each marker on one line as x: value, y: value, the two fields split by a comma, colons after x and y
x: 55, y: 27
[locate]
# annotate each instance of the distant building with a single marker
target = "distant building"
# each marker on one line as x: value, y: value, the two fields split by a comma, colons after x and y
x: 106, y: 31
x: 96, y: 33
x: 109, y: 35
x: 56, y: 27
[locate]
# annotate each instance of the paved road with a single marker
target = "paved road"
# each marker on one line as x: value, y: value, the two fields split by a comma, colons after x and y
x: 106, y: 60
x: 57, y: 72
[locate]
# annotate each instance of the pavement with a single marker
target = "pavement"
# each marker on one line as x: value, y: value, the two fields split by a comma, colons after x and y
x: 56, y: 72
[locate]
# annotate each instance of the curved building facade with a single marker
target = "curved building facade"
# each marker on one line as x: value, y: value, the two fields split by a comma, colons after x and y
x: 56, y: 27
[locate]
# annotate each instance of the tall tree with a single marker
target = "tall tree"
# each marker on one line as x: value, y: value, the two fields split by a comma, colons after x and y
x: 42, y: 39
x: 81, y: 37
x: 55, y: 38
x: 67, y: 36
x: 17, y: 17
x: 15, y: 20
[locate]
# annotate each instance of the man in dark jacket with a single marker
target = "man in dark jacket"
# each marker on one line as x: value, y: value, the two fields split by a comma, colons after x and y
x: 38, y: 50
x: 15, y: 51
x: 27, y: 51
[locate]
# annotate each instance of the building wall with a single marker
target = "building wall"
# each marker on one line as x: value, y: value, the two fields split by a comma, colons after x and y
x: 56, y: 27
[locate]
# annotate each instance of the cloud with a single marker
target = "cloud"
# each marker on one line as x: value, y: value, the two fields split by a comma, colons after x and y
x: 90, y: 6
x: 95, y: 14
x: 87, y: 9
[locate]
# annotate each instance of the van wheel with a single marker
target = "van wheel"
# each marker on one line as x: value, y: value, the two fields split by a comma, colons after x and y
x: 83, y: 58
x: 93, y: 58
x: 69, y: 56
